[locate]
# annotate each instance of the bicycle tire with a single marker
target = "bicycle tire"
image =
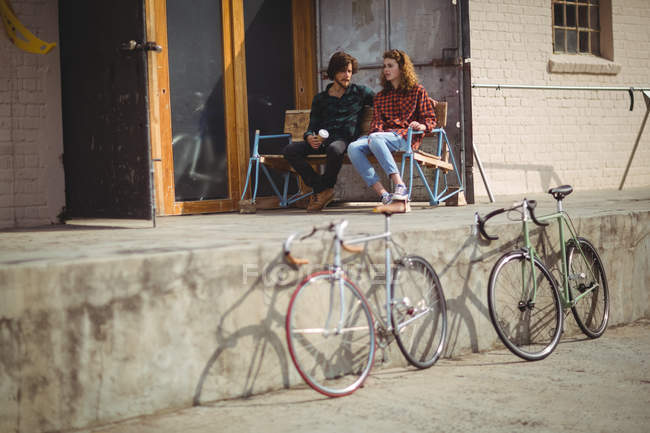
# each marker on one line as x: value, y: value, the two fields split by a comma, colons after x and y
x: 332, y: 363
x: 592, y: 310
x: 529, y: 328
x: 419, y: 311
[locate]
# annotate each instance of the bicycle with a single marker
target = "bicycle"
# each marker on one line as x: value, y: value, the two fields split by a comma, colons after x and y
x: 524, y: 299
x: 331, y: 329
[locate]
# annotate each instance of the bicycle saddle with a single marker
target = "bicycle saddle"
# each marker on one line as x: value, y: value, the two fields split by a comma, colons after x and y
x: 560, y: 192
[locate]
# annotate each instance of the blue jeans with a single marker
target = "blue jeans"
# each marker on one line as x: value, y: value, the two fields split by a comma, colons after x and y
x: 379, y: 144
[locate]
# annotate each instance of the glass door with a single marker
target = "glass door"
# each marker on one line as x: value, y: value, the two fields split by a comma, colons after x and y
x: 201, y: 94
x: 196, y: 85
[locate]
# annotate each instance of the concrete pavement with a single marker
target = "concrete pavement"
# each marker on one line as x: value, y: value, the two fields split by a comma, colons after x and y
x: 585, y: 386
x: 88, y: 239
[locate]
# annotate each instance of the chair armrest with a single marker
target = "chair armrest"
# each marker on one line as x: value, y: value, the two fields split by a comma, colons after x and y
x: 264, y: 137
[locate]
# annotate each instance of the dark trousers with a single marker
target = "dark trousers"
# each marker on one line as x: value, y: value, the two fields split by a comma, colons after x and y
x: 295, y: 153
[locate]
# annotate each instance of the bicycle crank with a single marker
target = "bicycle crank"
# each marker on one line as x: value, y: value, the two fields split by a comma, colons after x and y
x: 523, y: 306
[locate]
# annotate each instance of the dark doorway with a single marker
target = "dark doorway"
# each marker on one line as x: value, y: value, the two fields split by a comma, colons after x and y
x: 269, y: 72
x: 105, y: 109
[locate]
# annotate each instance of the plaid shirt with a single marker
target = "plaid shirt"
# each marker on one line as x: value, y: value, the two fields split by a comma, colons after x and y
x: 339, y: 116
x: 395, y: 110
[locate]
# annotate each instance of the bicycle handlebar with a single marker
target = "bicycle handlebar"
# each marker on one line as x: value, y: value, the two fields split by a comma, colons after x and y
x: 337, y: 227
x: 528, y: 204
x: 531, y: 206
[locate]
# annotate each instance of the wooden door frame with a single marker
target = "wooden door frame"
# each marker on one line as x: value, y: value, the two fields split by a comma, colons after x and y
x: 303, y: 21
x: 236, y: 107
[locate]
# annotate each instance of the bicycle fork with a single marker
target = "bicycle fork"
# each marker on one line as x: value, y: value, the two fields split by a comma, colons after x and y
x: 527, y: 299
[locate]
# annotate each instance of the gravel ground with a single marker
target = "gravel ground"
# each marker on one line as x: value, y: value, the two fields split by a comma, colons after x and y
x: 586, y: 385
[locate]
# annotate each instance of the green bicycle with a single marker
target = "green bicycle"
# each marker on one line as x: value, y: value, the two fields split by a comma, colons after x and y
x: 526, y: 307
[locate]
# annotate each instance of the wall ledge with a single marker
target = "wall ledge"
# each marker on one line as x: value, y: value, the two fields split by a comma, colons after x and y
x: 581, y: 64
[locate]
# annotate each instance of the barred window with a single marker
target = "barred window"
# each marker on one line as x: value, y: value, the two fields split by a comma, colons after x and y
x: 576, y: 26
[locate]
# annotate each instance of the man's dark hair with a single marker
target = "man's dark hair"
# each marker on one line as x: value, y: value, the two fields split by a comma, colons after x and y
x: 339, y: 63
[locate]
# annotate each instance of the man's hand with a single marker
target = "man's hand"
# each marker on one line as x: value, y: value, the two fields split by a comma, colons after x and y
x: 314, y: 141
x: 417, y: 126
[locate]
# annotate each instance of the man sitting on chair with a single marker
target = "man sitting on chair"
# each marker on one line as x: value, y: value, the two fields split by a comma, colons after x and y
x: 336, y: 110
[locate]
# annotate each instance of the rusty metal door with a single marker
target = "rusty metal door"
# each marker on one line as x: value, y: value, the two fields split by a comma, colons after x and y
x: 105, y: 109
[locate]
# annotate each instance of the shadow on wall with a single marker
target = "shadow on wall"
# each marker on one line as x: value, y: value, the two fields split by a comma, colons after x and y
x: 548, y: 178
x: 266, y: 342
x: 261, y: 350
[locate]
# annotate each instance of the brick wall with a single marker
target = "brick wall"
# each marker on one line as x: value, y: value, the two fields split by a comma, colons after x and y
x: 530, y: 140
x: 31, y: 170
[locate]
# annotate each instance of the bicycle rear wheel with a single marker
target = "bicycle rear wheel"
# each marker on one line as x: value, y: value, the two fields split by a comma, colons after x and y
x: 528, y: 323
x: 588, y: 288
x: 330, y: 334
x: 419, y: 311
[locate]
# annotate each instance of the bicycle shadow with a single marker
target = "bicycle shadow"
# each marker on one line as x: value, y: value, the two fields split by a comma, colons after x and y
x: 469, y: 324
x: 254, y: 345
x: 258, y: 349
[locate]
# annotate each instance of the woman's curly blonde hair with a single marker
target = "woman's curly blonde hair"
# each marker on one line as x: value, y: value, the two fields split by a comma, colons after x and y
x: 408, y: 77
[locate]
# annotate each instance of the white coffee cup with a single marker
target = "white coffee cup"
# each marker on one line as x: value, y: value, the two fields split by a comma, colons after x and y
x: 323, y: 134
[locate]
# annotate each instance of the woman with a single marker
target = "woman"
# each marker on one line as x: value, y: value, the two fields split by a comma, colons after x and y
x: 402, y: 103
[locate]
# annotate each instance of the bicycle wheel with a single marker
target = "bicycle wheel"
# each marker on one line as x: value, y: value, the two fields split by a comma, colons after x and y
x: 528, y: 322
x: 588, y: 289
x: 330, y: 334
x: 419, y: 311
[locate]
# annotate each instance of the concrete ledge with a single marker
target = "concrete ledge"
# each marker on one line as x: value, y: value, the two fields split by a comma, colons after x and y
x: 86, y: 342
x: 582, y: 64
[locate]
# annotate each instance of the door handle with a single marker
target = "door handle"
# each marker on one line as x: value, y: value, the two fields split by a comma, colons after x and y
x: 135, y: 46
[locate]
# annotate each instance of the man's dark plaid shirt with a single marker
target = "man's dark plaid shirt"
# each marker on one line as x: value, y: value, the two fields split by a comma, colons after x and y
x: 395, y: 110
x: 339, y: 116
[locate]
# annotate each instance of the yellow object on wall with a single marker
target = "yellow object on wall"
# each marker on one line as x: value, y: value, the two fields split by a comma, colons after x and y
x: 19, y: 35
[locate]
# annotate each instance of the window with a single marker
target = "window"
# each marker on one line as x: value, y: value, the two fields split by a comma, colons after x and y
x: 577, y: 26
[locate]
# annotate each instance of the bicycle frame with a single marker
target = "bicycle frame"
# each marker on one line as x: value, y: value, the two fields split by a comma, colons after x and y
x: 562, y: 220
x: 338, y: 270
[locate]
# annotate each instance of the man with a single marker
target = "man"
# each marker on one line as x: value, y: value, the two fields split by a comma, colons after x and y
x: 337, y: 110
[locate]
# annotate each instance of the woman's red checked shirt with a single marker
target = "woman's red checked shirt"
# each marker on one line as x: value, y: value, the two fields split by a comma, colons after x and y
x: 395, y: 110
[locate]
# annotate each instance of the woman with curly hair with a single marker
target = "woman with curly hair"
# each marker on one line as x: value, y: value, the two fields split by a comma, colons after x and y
x: 402, y: 103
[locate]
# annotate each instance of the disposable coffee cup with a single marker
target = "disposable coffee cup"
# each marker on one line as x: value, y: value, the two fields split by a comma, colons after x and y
x: 323, y: 134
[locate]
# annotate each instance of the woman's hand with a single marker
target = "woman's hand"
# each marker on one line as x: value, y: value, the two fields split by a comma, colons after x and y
x: 417, y: 126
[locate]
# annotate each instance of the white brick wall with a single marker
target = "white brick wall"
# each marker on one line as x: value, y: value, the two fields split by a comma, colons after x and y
x: 530, y: 140
x: 31, y: 170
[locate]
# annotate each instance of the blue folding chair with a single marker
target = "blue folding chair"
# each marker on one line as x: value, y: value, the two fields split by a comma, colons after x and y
x: 256, y: 160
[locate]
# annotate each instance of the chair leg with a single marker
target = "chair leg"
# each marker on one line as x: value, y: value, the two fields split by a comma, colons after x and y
x: 461, y: 188
x: 410, y: 175
x: 300, y: 194
x: 285, y: 189
x: 270, y: 179
x: 248, y: 175
x: 433, y: 200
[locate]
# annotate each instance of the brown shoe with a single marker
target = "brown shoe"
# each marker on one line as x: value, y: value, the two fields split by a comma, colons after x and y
x: 396, y: 206
x: 320, y: 200
x: 302, y: 204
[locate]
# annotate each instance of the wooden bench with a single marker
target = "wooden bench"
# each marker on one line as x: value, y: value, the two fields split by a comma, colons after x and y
x: 296, y: 123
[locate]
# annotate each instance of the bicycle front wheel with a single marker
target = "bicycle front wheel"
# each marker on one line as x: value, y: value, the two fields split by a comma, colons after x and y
x: 419, y: 311
x: 588, y: 289
x: 330, y: 334
x: 528, y: 321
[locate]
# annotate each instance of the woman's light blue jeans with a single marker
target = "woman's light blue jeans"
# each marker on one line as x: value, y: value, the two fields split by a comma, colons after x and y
x: 379, y: 144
